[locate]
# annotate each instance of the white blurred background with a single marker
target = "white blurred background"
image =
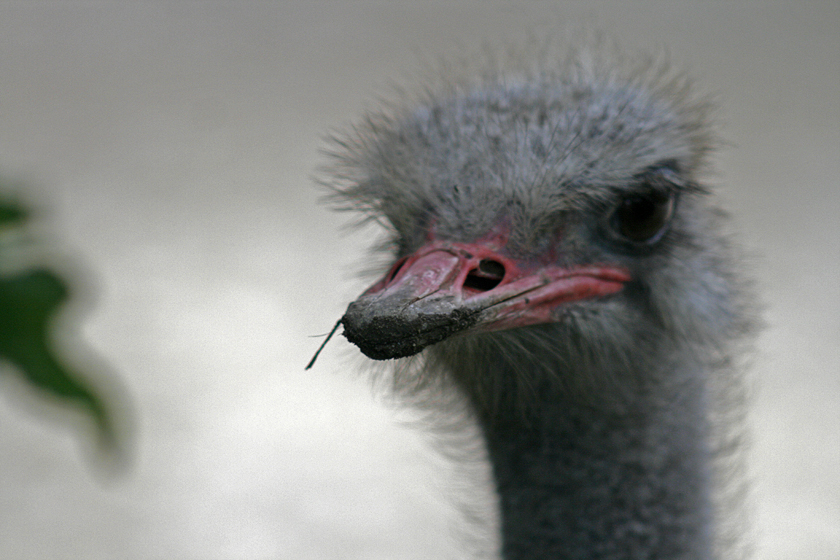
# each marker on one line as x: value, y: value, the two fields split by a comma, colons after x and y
x: 174, y: 144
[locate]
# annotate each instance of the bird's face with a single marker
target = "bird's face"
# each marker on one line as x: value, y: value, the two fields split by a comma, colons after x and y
x: 514, y: 211
x: 564, y: 224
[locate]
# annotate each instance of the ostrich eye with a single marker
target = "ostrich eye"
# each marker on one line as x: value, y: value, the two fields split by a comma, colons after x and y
x: 642, y: 218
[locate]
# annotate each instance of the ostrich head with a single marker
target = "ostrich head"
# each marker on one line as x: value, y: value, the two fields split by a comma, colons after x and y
x: 557, y: 258
x: 547, y: 212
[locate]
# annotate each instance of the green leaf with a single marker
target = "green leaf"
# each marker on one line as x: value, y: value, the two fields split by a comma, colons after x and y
x: 30, y: 300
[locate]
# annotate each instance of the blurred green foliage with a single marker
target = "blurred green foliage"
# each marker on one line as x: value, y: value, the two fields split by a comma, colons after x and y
x: 30, y: 298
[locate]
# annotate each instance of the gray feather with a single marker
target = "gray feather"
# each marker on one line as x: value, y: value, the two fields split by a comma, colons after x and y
x: 635, y: 394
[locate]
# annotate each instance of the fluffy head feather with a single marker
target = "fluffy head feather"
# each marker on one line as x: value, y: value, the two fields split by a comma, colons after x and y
x: 549, y: 145
x: 546, y: 149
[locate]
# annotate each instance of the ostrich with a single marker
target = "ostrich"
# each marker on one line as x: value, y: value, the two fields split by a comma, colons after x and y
x: 557, y: 263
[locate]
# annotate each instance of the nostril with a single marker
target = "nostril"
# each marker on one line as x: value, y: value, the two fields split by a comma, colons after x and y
x: 487, y: 276
x: 492, y: 268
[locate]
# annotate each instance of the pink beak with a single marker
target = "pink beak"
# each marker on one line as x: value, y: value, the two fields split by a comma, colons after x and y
x: 445, y: 288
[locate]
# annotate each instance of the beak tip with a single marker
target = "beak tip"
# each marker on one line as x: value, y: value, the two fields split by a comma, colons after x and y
x: 385, y: 329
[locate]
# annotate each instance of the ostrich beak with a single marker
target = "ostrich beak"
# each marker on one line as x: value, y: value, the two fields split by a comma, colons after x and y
x: 447, y: 288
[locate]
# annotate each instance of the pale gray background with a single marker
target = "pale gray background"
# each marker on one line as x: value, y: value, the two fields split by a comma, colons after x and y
x: 174, y: 143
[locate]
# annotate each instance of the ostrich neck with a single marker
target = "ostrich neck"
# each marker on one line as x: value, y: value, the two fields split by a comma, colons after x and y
x: 579, y: 481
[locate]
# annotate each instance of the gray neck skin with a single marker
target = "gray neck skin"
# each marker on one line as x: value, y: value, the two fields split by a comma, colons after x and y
x: 578, y: 482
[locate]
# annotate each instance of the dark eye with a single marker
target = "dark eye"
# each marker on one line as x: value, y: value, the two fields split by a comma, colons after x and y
x: 643, y: 218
